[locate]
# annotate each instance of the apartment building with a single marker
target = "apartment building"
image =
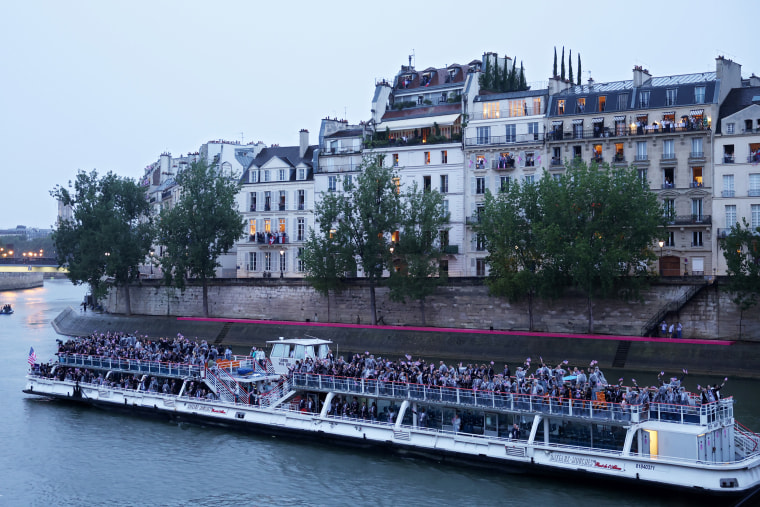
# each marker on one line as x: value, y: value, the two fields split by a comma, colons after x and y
x: 737, y: 163
x: 663, y: 126
x: 276, y: 201
x: 417, y: 126
x: 339, y: 156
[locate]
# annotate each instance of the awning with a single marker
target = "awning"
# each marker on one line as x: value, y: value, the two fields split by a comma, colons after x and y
x: 642, y: 116
x: 669, y: 113
x: 578, y: 121
x: 620, y: 118
x: 696, y: 112
x: 557, y: 122
x: 418, y: 123
x: 597, y: 120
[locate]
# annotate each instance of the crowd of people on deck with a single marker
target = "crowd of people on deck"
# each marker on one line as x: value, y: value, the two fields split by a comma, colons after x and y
x: 560, y: 381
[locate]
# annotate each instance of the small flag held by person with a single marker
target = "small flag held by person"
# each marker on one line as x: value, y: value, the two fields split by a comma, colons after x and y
x: 32, y: 357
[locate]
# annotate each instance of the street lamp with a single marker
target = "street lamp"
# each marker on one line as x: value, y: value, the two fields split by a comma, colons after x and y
x: 282, y: 262
x: 151, y: 261
x: 662, y: 244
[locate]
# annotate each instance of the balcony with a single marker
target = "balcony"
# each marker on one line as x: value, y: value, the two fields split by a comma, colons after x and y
x: 697, y: 155
x: 621, y: 131
x: 723, y: 233
x: 697, y: 245
x: 504, y: 140
x: 281, y: 206
x: 753, y: 192
x: 252, y: 207
x: 270, y: 238
x: 556, y: 162
x: 667, y: 184
x: 267, y: 207
x: 450, y: 249
x: 642, y: 157
x: 475, y: 220
x: 753, y: 159
x: 691, y: 220
x: 728, y: 193
x: 343, y: 168
x: 696, y: 184
x: 597, y: 159
x: 668, y: 157
x: 340, y: 151
x: 618, y: 158
x: 503, y: 165
x: 728, y: 158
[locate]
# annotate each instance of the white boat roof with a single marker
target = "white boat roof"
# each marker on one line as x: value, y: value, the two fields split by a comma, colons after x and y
x: 301, y: 341
x: 688, y: 429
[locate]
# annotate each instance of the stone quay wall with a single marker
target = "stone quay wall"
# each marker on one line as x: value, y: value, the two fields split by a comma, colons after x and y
x: 463, y: 303
x: 25, y: 280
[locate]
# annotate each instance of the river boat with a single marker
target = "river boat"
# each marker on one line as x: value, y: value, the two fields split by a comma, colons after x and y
x: 6, y: 310
x: 695, y: 447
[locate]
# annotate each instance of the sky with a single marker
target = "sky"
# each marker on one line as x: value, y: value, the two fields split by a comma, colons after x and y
x: 110, y: 85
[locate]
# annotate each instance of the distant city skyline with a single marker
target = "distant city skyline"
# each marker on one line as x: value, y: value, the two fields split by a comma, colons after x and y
x: 110, y: 86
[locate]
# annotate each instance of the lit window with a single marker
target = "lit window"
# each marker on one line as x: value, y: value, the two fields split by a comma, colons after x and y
x: 602, y: 103
x: 397, y: 184
x: 560, y: 107
x: 282, y: 225
x: 580, y: 105
x: 252, y: 227
x: 395, y: 160
x: 426, y: 158
x: 490, y: 110
x: 267, y: 225
x: 444, y: 157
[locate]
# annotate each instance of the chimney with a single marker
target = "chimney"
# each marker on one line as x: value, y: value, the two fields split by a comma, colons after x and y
x: 304, y: 142
x: 754, y: 80
x: 730, y: 75
x: 640, y: 76
x: 556, y: 85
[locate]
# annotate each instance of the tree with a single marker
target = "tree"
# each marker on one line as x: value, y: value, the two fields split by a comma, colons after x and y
x: 741, y: 249
x: 601, y: 225
x: 202, y: 225
x: 109, y: 236
x: 523, y: 84
x: 510, y: 228
x: 554, y: 68
x: 417, y: 254
x: 562, y: 71
x: 570, y: 66
x: 579, y: 69
x: 361, y: 218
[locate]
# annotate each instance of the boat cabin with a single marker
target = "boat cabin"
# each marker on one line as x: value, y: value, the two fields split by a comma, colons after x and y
x: 285, y: 352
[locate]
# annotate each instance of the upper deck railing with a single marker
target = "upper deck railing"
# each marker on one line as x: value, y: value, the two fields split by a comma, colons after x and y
x: 520, y: 403
x: 131, y: 365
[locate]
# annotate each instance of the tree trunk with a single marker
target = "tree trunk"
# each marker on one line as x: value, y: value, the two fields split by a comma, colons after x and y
x: 590, y: 316
x: 372, y: 303
x: 205, y: 296
x: 127, y: 301
x: 422, y: 311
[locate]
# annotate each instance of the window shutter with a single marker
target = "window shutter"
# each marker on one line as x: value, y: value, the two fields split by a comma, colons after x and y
x: 472, y: 185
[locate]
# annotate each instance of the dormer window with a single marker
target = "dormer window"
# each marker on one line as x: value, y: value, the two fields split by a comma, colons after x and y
x: 426, y: 79
x: 580, y: 105
x: 560, y: 107
x: 282, y: 174
x: 644, y: 99
x: 302, y: 174
x: 405, y: 81
x: 254, y: 176
x: 670, y: 96
x: 699, y: 94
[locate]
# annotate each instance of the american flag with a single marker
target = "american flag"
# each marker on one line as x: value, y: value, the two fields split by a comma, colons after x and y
x: 32, y: 357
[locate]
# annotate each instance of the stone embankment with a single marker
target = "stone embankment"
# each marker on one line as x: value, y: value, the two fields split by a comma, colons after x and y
x: 25, y: 280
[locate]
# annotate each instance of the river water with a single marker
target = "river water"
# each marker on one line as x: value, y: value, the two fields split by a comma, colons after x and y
x: 55, y: 453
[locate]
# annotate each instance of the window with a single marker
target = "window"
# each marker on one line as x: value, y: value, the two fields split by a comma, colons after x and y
x: 699, y: 94
x: 755, y: 218
x: 504, y: 184
x: 619, y: 152
x: 490, y: 110
x: 644, y: 99
x: 596, y: 153
x: 641, y: 150
x: 602, y: 103
x: 697, y: 209
x: 301, y: 174
x: 480, y: 267
x: 669, y: 206
x: 397, y: 184
x: 480, y: 185
x: 533, y: 129
x: 529, y: 179
x: 576, y: 152
x: 252, y: 228
x: 511, y: 134
x: 302, y: 200
x: 267, y: 261
x: 395, y: 160
x: 754, y: 185
x: 254, y: 176
x: 299, y: 264
x: 730, y: 216
x: 696, y: 238
x: 580, y: 105
x: 267, y: 225
x: 696, y: 177
x: 480, y: 241
x: 332, y: 183
x: 728, y: 154
x: 444, y: 183
x: 644, y: 176
x: 252, y: 261
x: 560, y: 107
x: 282, y: 261
x: 426, y: 186
x: 696, y: 148
x: 484, y: 135
x: 282, y: 200
x: 426, y: 157
x: 730, y: 128
x: 578, y: 129
x: 480, y: 162
x: 281, y: 225
x: 622, y: 102
x: 267, y: 201
x: 443, y: 237
x: 670, y: 96
x: 301, y: 229
x: 266, y: 175
x: 529, y: 160
x: 669, y: 149
x: 348, y: 182
x: 252, y: 200
x: 728, y: 185
x: 282, y: 174
x: 446, y: 206
x: 443, y: 266
x: 670, y: 240
x: 668, y: 177
x: 444, y: 157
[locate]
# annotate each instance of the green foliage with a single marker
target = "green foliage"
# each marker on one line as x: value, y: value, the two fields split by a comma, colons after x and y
x: 570, y: 67
x: 562, y: 71
x: 741, y: 249
x: 24, y: 244
x: 202, y: 225
x: 501, y: 79
x: 359, y: 221
x: 417, y: 254
x: 109, y: 235
x: 579, y: 69
x: 554, y: 68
